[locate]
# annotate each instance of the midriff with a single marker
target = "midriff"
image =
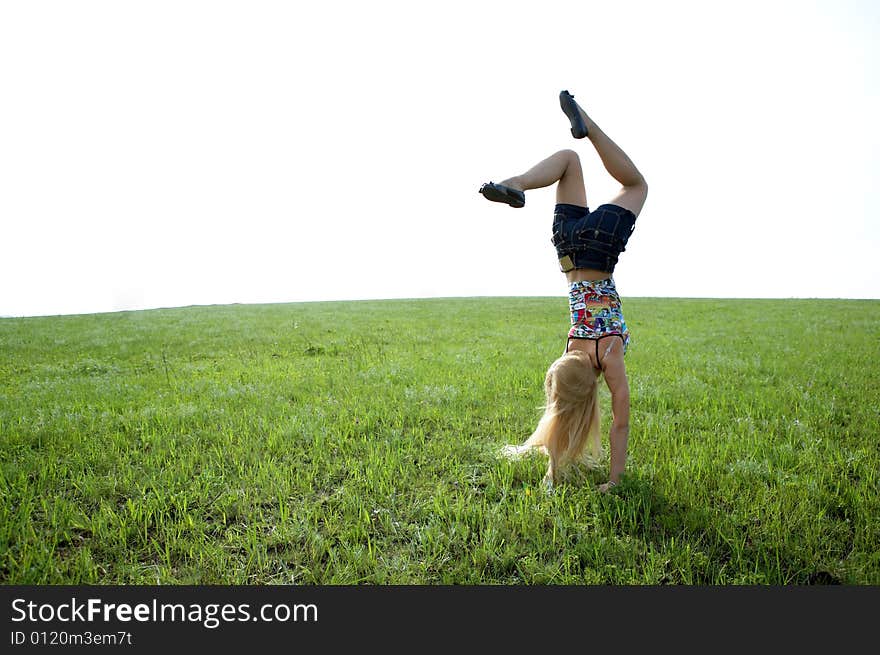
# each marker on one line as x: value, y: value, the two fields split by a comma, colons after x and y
x: 581, y: 274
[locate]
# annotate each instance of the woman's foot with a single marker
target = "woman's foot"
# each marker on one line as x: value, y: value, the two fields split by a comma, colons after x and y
x: 503, y: 193
x: 575, y: 117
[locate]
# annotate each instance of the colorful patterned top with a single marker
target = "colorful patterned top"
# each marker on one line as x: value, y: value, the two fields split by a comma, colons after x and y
x: 596, y: 311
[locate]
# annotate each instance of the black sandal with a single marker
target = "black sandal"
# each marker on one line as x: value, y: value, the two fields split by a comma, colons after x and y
x: 501, y: 193
x: 569, y: 106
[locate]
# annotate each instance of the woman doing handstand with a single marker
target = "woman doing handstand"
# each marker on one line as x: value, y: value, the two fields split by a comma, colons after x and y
x: 588, y: 245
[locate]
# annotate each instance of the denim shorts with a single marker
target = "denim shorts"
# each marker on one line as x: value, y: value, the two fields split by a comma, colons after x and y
x: 591, y: 239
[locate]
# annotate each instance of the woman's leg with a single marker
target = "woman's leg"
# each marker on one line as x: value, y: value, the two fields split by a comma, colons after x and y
x: 635, y: 190
x: 563, y: 167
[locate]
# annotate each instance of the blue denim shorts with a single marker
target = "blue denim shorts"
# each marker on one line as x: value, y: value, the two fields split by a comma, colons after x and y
x: 591, y: 239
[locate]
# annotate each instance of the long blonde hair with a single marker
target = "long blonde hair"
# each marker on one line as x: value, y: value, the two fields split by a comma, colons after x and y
x: 571, y: 418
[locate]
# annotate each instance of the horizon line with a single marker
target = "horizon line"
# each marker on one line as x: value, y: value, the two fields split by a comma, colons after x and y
x: 408, y: 298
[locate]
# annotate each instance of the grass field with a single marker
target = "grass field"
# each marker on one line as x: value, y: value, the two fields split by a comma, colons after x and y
x: 330, y: 443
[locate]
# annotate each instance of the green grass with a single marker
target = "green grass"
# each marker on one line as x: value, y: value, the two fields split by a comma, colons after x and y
x: 340, y: 443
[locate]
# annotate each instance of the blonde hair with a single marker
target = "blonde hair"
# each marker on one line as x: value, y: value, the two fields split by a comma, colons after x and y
x: 571, y: 418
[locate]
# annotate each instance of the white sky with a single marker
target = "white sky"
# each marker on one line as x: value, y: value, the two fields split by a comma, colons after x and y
x: 158, y: 154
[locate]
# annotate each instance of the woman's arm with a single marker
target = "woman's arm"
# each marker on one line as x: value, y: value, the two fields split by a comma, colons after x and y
x: 618, y: 385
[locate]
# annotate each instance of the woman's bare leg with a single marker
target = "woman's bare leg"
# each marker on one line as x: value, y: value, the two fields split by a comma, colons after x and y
x: 563, y: 167
x: 635, y: 190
